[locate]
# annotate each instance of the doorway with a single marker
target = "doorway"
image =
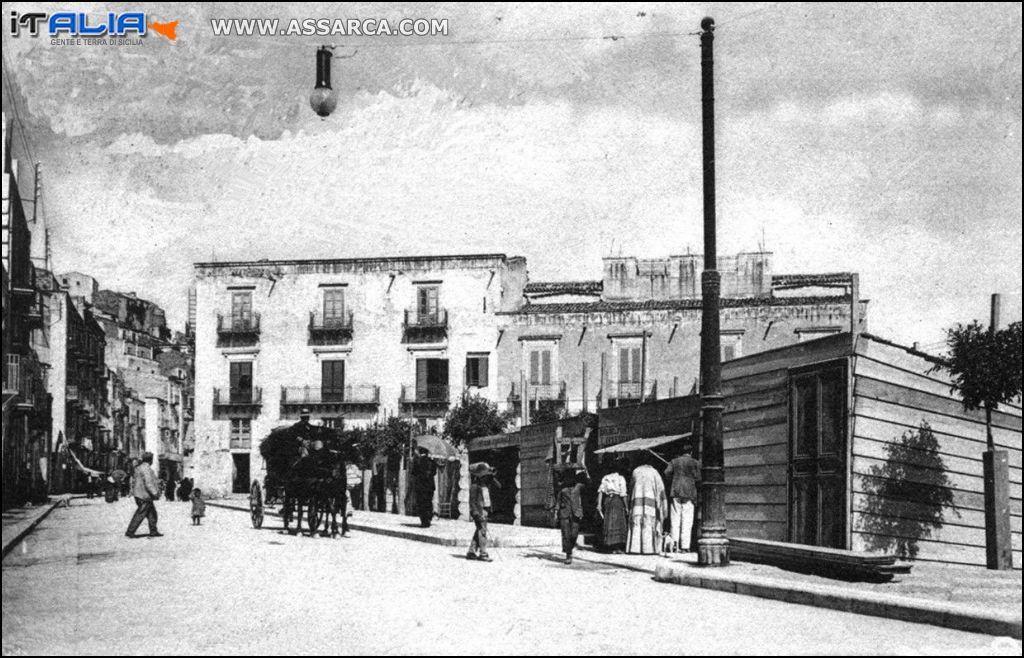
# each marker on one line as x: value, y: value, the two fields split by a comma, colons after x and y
x: 240, y: 483
x: 817, y: 479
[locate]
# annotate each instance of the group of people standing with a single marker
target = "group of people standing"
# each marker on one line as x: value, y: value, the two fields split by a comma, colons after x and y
x: 644, y: 518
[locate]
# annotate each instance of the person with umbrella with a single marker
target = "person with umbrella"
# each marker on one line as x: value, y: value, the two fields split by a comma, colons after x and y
x: 424, y: 470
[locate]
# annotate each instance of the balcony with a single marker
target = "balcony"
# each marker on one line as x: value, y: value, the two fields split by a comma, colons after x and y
x: 233, y: 331
x: 328, y: 401
x: 20, y: 381
x: 34, y: 311
x: 548, y: 398
x: 425, y: 401
x: 330, y: 330
x: 429, y: 327
x: 623, y: 393
x: 243, y: 403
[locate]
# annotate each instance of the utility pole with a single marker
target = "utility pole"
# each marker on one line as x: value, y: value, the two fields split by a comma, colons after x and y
x: 713, y: 546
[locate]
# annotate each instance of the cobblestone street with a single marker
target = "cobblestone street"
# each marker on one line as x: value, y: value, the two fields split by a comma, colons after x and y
x: 77, y: 586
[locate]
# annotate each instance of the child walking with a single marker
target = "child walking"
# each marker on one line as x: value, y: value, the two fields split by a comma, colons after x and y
x: 198, y: 506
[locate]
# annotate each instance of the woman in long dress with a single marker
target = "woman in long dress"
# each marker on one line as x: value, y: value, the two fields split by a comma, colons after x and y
x: 611, y: 506
x: 648, y: 507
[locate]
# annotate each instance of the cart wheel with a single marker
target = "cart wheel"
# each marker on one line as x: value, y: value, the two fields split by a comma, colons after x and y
x: 256, y: 505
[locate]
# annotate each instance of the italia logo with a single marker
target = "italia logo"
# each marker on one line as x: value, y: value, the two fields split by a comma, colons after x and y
x: 80, y: 24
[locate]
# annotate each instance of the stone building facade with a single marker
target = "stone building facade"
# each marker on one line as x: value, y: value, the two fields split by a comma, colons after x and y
x: 352, y: 340
x: 635, y: 335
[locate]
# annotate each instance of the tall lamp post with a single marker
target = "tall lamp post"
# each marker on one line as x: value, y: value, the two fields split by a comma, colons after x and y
x: 713, y: 545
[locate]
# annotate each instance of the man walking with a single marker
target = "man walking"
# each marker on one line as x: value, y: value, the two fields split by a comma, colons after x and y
x: 481, y: 475
x: 569, y: 507
x: 146, y: 491
x: 685, y: 473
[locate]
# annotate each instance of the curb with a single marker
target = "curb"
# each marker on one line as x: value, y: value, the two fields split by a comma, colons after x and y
x: 29, y: 526
x: 450, y: 540
x: 889, y: 606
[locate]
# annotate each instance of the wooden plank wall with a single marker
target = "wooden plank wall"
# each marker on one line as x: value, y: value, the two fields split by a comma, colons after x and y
x: 535, y: 474
x: 756, y: 434
x: 895, y: 392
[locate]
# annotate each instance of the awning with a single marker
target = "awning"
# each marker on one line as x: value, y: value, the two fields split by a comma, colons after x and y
x: 643, y: 444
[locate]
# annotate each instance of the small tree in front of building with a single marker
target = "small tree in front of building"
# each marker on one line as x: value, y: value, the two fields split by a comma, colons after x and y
x: 986, y: 367
x: 474, y: 416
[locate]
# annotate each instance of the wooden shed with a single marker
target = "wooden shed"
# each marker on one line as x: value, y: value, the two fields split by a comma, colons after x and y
x: 857, y: 442
x: 524, y: 458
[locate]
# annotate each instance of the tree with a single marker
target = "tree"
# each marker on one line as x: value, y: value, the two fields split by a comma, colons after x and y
x: 986, y: 367
x: 474, y: 416
x: 389, y: 439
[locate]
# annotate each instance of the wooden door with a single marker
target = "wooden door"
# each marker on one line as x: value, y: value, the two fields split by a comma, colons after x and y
x: 332, y: 380
x: 817, y: 481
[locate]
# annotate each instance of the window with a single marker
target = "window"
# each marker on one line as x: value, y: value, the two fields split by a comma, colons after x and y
x: 476, y: 370
x: 241, y: 381
x: 332, y: 380
x: 630, y: 364
x: 241, y: 432
x: 334, y: 306
x: 540, y: 367
x: 426, y: 303
x: 732, y: 346
x: 241, y: 310
x: 431, y: 380
x: 334, y: 423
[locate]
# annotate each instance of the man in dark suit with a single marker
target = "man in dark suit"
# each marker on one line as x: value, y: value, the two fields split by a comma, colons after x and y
x: 569, y: 506
x: 424, y: 470
x: 685, y: 473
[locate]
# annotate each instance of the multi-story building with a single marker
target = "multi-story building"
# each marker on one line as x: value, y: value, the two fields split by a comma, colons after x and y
x: 152, y: 371
x: 635, y: 334
x: 351, y: 340
x: 26, y: 405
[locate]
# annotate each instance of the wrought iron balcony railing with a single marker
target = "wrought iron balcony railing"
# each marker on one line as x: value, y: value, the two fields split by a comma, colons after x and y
x: 551, y: 391
x: 631, y: 390
x: 238, y: 397
x: 330, y: 330
x: 431, y: 394
x: 435, y: 319
x: 300, y: 396
x: 238, y: 331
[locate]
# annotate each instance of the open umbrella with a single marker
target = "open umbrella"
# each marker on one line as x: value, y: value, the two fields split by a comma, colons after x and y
x: 436, y: 446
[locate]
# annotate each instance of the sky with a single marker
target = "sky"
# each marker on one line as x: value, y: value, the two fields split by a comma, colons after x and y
x: 882, y: 139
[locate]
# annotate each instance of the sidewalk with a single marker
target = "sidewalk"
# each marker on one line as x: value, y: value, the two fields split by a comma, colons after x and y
x: 19, y: 521
x: 444, y: 532
x: 963, y: 598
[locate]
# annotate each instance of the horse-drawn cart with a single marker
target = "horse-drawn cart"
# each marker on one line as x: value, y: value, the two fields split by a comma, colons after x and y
x: 306, y: 476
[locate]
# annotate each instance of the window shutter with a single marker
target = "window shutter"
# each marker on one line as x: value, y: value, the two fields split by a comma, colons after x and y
x: 546, y: 367
x: 637, y: 363
x: 624, y: 364
x: 482, y: 374
x: 421, y: 378
x: 534, y: 367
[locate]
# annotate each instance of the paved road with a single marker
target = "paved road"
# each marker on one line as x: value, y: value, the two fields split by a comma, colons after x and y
x: 77, y: 586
